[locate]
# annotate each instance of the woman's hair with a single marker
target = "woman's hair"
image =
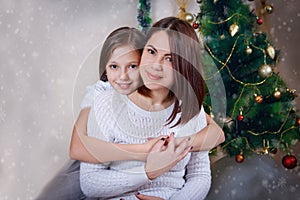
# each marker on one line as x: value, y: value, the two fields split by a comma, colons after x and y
x: 188, y: 87
x: 118, y: 38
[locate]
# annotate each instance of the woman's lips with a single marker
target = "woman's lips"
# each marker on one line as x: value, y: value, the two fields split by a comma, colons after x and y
x: 153, y: 77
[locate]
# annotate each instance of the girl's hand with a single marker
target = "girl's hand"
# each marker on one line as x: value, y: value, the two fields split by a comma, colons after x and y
x: 163, y: 157
x: 146, y: 197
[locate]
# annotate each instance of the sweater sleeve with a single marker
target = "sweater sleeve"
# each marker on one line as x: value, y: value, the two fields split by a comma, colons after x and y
x: 198, y: 178
x: 97, y: 180
x: 91, y: 91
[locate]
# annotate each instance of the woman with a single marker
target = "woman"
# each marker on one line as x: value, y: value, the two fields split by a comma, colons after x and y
x: 170, y: 101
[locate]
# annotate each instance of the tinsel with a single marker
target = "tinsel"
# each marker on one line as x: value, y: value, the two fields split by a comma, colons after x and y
x: 143, y: 17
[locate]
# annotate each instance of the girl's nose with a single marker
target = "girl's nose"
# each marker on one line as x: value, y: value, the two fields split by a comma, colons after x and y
x: 124, y: 75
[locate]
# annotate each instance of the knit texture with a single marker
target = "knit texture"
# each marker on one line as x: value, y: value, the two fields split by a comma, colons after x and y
x: 121, y: 121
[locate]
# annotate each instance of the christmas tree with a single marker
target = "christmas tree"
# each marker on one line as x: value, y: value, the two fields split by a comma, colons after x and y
x: 260, y: 114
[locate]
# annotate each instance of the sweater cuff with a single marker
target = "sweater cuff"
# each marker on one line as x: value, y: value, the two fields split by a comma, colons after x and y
x: 137, y: 176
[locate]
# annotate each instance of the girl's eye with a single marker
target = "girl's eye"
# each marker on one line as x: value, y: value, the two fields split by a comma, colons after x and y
x: 113, y: 66
x: 133, y: 66
x: 150, y: 51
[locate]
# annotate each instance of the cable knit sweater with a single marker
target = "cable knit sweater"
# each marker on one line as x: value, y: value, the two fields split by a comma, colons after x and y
x: 121, y: 121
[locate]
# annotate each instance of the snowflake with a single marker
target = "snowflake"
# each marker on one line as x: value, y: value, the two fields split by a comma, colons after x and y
x: 281, y: 182
x: 2, y: 114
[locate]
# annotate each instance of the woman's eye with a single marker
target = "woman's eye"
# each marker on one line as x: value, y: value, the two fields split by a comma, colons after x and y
x: 169, y: 59
x: 150, y: 51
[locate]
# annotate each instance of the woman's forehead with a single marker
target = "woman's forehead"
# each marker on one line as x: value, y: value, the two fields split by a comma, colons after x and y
x: 159, y: 40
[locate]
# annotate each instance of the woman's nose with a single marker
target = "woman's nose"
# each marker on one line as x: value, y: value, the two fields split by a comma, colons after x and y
x: 157, y: 65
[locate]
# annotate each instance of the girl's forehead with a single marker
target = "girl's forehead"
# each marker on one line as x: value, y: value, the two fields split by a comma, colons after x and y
x: 124, y: 49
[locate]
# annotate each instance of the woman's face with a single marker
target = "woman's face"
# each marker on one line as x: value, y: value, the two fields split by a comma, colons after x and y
x: 156, y: 63
x: 122, y: 69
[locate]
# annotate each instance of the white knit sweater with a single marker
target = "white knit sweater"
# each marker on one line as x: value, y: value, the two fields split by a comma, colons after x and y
x: 121, y: 121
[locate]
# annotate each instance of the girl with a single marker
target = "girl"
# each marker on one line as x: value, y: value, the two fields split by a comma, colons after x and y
x: 170, y: 101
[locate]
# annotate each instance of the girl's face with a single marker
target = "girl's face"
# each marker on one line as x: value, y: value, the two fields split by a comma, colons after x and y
x: 156, y: 63
x: 122, y: 69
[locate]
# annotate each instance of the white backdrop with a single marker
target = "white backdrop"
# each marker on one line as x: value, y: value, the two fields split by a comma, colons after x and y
x: 49, y: 53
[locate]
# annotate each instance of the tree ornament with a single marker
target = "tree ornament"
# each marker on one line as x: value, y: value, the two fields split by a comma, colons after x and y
x: 259, y: 20
x: 195, y: 25
x: 189, y: 17
x: 265, y: 150
x: 265, y: 71
x: 289, y: 161
x: 198, y: 1
x: 277, y: 93
x: 222, y: 37
x: 271, y: 51
x: 269, y: 8
x: 233, y: 29
x: 239, y: 158
x: 293, y: 92
x: 248, y: 50
x: 273, y: 151
x: 258, y: 98
x: 266, y: 146
x: 298, y: 122
x: 216, y: 1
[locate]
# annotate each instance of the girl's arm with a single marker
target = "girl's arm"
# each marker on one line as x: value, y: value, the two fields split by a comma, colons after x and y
x: 206, y: 139
x: 92, y: 150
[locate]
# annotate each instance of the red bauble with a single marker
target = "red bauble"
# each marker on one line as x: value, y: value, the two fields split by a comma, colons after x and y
x: 298, y: 121
x: 239, y: 158
x: 289, y: 161
x: 240, y: 117
x: 259, y: 21
x: 195, y: 25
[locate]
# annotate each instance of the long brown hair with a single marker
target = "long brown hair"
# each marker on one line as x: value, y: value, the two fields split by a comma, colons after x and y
x: 188, y: 88
x: 120, y: 37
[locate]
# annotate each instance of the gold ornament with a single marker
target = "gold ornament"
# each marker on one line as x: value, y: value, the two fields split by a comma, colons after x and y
x: 292, y: 92
x: 277, y: 93
x: 222, y: 37
x: 258, y: 98
x: 269, y: 8
x: 248, y: 50
x: 233, y: 29
x: 266, y: 146
x: 189, y: 17
x: 216, y: 1
x: 199, y: 1
x: 265, y: 150
x: 271, y: 51
x: 265, y: 71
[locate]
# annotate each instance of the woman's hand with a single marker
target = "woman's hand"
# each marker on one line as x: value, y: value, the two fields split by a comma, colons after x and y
x: 146, y: 197
x: 147, y: 146
x: 162, y: 158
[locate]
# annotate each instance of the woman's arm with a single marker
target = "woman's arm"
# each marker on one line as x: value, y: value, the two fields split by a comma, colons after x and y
x: 206, y: 139
x: 92, y: 150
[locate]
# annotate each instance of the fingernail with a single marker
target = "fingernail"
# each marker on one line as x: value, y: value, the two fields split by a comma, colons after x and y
x: 192, y: 147
x: 163, y: 139
x: 138, y: 193
x: 189, y: 138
